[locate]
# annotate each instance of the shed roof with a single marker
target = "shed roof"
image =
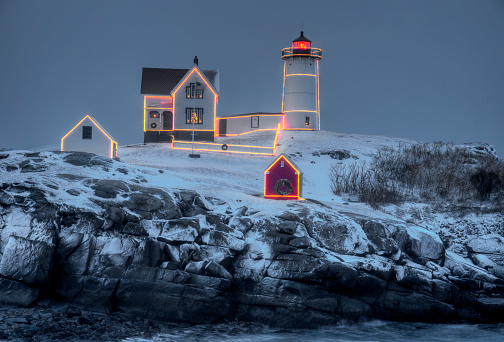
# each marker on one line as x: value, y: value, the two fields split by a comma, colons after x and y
x: 158, y: 81
x: 96, y: 123
x: 288, y: 160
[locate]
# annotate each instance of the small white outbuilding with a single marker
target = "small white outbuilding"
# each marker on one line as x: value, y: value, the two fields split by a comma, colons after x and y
x: 89, y: 136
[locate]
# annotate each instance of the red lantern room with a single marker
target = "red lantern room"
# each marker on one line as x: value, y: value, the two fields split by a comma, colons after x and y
x: 283, y: 180
x: 301, y: 45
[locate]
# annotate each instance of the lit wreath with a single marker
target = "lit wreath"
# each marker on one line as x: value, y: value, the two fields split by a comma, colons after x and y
x: 283, y: 187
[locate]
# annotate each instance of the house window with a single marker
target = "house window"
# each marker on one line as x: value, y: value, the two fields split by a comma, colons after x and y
x: 194, y: 115
x: 307, y: 121
x: 254, y: 122
x: 282, y: 163
x: 87, y: 132
x: 192, y: 91
x: 154, y: 114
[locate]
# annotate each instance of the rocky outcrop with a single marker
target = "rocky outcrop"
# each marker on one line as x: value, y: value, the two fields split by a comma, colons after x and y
x: 180, y: 257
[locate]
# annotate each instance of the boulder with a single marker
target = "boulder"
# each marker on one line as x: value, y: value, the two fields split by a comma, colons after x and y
x: 243, y: 224
x: 86, y: 159
x: 112, y: 256
x: 26, y: 260
x: 335, y: 154
x: 75, y: 251
x: 6, y: 198
x: 424, y: 244
x: 108, y: 188
x: 487, y: 244
x: 221, y: 255
x: 153, y: 227
x: 16, y: 223
x: 296, y: 267
x: 223, y: 239
x: 173, y: 252
x: 339, y: 235
x: 380, y: 237
x: 133, y: 228
x: 464, y: 268
x: 88, y: 292
x: 483, y: 261
x: 16, y: 293
x: 196, y: 267
x: 412, y: 276
x: 214, y: 269
x: 180, y: 230
x: 187, y: 252
x: 149, y: 253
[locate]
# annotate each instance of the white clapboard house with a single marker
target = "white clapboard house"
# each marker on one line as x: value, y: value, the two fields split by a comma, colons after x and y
x: 89, y: 136
x: 176, y: 101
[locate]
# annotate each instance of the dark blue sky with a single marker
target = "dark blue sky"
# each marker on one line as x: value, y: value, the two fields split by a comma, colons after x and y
x: 427, y: 70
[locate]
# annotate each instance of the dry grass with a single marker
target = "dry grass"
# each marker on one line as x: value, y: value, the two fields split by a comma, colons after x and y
x: 422, y: 172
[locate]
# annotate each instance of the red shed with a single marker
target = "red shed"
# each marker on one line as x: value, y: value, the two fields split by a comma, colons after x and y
x: 283, y: 180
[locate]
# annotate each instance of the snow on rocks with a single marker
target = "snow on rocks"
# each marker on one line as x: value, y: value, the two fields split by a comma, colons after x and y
x: 424, y: 243
x: 196, y: 243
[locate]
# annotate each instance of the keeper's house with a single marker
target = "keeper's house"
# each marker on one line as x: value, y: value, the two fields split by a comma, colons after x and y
x: 89, y: 136
x: 178, y: 100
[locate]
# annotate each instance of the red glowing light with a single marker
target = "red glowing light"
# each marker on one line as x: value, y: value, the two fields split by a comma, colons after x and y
x: 301, y: 45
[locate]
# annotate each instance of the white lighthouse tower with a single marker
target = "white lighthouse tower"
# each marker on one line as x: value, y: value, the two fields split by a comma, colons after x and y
x: 300, y: 98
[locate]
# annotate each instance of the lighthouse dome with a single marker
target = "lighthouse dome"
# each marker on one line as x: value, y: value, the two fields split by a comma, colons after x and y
x: 301, y: 43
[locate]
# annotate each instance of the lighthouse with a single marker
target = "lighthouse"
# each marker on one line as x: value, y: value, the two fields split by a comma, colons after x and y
x: 300, y: 98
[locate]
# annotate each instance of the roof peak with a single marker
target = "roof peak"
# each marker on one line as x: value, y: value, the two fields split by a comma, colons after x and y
x: 302, y: 38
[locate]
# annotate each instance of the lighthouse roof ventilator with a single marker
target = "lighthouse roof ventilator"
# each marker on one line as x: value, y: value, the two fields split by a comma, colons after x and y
x: 300, y: 98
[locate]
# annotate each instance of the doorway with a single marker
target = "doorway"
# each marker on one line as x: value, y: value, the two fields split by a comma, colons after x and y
x: 167, y: 120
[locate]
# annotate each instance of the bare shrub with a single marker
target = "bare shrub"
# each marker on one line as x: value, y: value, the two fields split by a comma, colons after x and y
x: 370, y: 183
x: 485, y: 182
x: 427, y: 171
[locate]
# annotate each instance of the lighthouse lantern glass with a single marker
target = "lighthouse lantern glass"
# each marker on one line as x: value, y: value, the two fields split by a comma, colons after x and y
x: 301, y: 45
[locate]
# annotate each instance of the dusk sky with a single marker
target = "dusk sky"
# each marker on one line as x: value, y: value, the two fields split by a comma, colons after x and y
x: 430, y: 70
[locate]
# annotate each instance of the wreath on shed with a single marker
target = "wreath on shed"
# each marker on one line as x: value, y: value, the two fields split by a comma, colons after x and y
x: 283, y: 187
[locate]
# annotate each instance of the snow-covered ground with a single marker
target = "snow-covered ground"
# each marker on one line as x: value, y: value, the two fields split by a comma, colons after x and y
x: 238, y: 179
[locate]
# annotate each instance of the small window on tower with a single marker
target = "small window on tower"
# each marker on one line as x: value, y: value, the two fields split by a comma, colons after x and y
x: 307, y: 121
x: 87, y: 132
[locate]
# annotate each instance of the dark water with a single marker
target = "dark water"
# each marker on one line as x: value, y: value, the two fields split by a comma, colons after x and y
x: 366, y: 332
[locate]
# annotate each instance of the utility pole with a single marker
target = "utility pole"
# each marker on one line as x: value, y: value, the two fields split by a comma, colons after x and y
x: 194, y: 117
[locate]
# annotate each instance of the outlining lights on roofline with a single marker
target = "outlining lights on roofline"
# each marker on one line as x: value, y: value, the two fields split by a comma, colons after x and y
x: 278, y: 131
x: 108, y: 136
x: 276, y: 196
x: 216, y: 96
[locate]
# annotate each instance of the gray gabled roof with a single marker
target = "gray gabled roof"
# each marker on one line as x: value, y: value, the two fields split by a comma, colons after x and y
x: 157, y: 81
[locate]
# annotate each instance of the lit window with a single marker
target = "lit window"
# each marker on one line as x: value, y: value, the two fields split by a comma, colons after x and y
x: 87, y: 132
x: 192, y: 91
x: 194, y: 115
x: 154, y: 114
x: 307, y: 121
